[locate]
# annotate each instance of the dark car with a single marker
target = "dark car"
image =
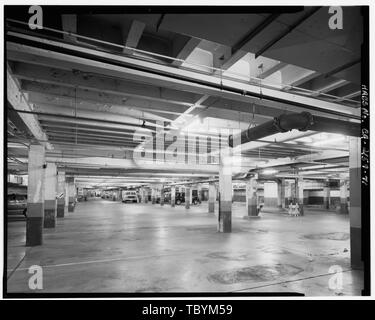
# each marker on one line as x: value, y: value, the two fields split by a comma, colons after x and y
x: 17, y: 204
x: 180, y: 198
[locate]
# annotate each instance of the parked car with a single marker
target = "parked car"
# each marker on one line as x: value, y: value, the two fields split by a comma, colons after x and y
x: 180, y: 198
x: 17, y: 204
x: 129, y: 196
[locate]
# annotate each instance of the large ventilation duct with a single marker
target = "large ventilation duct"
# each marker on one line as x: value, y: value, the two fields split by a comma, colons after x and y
x: 300, y: 121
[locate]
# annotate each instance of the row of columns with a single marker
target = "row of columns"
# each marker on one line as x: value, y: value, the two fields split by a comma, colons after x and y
x: 279, y: 194
x: 276, y: 194
x: 49, y: 192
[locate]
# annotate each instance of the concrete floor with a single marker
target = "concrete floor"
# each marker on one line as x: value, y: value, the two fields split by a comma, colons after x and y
x: 107, y: 246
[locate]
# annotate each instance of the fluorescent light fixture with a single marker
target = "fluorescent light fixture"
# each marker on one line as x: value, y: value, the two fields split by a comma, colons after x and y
x: 269, y: 171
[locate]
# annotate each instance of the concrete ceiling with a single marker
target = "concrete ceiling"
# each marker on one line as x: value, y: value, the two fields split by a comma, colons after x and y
x: 88, y: 103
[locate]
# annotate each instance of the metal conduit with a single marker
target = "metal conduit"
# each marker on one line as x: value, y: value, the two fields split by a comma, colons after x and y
x: 300, y: 121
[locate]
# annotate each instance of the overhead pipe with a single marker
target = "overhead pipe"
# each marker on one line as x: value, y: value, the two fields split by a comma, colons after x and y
x: 300, y: 121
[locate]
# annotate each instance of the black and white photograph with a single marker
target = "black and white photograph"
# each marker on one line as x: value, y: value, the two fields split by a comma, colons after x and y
x: 186, y: 151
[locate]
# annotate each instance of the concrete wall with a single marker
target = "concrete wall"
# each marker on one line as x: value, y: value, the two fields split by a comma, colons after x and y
x: 316, y: 197
x: 270, y: 194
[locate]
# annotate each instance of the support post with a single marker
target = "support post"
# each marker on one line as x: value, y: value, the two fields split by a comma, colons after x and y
x: 173, y: 196
x: 71, y: 193
x: 60, y: 194
x: 225, y: 192
x: 344, y: 197
x: 146, y: 195
x: 211, y: 197
x: 50, y: 205
x: 35, y: 196
x: 162, y: 195
x: 153, y: 196
x: 299, y: 184
x: 326, y: 195
x: 187, y: 197
x: 251, y: 198
x: 355, y: 203
x: 281, y: 194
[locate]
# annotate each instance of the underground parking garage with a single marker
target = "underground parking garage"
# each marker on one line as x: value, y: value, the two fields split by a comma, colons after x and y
x: 183, y: 152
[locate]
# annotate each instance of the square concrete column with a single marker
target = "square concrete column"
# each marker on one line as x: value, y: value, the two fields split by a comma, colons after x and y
x: 153, y: 200
x: 35, y: 196
x: 355, y: 203
x: 173, y: 196
x: 60, y: 194
x: 162, y: 196
x: 293, y: 192
x: 225, y: 192
x: 66, y: 195
x: 251, y: 198
x: 299, y: 193
x: 71, y: 193
x: 85, y: 194
x: 146, y: 195
x: 211, y: 197
x: 344, y: 197
x: 199, y: 192
x: 191, y: 194
x: 288, y: 193
x: 281, y: 193
x: 270, y: 194
x: 326, y: 195
x: 50, y: 204
x: 187, y: 197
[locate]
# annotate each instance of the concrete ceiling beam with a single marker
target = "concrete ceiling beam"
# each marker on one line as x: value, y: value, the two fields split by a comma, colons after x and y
x: 18, y: 101
x: 171, y: 77
x: 134, y: 35
x: 69, y: 24
x: 48, y: 93
x: 96, y: 82
x: 186, y: 50
x: 57, y: 111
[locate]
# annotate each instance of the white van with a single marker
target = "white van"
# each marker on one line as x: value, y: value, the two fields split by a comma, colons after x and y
x: 129, y: 196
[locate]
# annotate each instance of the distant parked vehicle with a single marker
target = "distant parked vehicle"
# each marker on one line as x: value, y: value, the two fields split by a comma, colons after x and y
x: 17, y: 204
x: 129, y: 196
x: 180, y: 198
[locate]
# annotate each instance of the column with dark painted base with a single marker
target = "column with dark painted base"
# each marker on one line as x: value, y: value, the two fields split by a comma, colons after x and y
x: 211, y: 197
x: 153, y: 196
x: 146, y: 195
x: 60, y: 210
x: 288, y: 193
x: 50, y: 205
x: 355, y: 203
x: 251, y: 198
x: 71, y: 193
x: 187, y: 197
x: 225, y: 192
x: 299, y: 193
x: 66, y: 196
x: 343, y: 197
x: 281, y: 193
x: 173, y: 196
x: 293, y: 193
x: 326, y: 195
x: 35, y: 196
x: 162, y: 197
x: 199, y: 193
